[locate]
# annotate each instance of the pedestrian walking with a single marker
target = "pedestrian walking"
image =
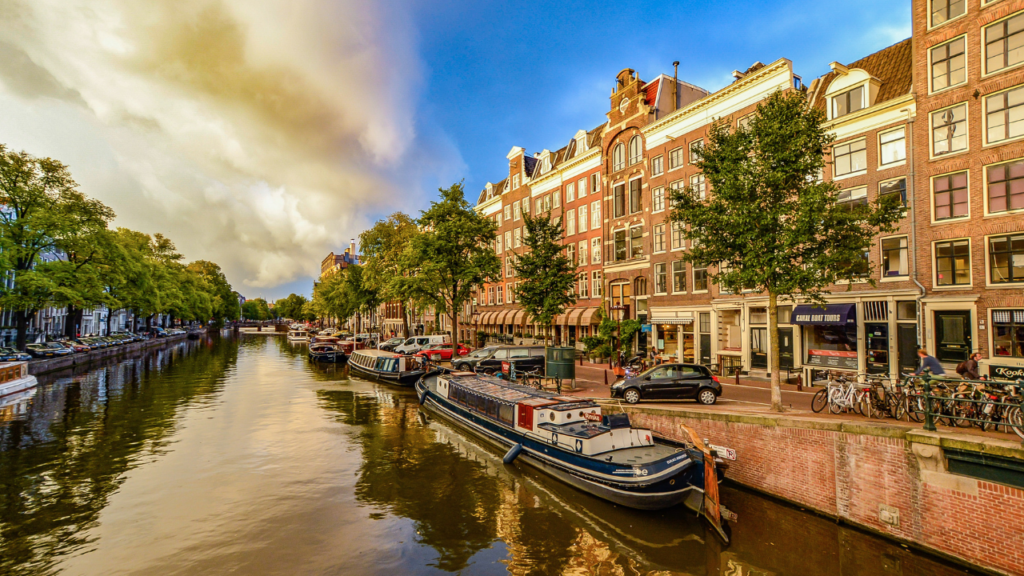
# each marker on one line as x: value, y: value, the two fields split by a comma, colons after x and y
x: 929, y: 363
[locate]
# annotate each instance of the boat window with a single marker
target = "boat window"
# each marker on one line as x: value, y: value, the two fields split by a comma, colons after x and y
x: 506, y: 413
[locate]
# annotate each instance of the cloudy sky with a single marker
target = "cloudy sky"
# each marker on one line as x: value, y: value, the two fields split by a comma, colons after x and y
x: 263, y: 134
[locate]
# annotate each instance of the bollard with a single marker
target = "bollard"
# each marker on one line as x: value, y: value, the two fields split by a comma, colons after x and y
x: 800, y: 382
x: 737, y: 373
x: 605, y: 377
x: 929, y: 419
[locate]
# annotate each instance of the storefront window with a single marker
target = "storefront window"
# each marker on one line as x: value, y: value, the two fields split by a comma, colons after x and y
x: 878, y: 348
x: 831, y: 346
x: 1009, y: 333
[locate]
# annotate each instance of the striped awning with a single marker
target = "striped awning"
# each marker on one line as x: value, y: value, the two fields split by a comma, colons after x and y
x: 485, y: 319
x: 587, y: 316
x: 518, y: 319
x: 574, y: 315
x: 499, y: 316
x: 559, y: 320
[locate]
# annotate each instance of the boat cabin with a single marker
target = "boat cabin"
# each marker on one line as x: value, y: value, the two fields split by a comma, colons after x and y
x: 380, y: 361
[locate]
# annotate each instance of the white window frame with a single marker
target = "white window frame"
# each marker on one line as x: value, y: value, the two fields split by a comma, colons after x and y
x: 672, y: 277
x: 516, y: 212
x: 928, y: 15
x: 656, y: 194
x: 967, y: 63
x: 658, y: 165
x: 581, y: 256
x: 595, y: 215
x: 596, y: 284
x: 931, y: 199
x: 654, y: 238
x: 570, y: 222
x: 984, y: 118
x: 881, y: 163
x: 581, y: 219
x: 518, y: 236
x: 663, y: 272
x: 581, y: 188
x: 570, y: 192
x: 967, y: 128
x: 985, y: 185
x: 881, y: 259
x: 852, y: 173
x: 985, y: 73
x: 595, y: 250
x: 970, y: 265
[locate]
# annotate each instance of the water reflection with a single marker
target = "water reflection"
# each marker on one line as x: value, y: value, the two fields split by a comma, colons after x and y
x: 239, y: 456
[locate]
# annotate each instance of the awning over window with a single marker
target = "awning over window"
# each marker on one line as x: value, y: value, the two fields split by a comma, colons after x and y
x: 486, y: 318
x: 574, y: 316
x: 499, y: 316
x: 518, y: 320
x: 588, y: 315
x: 828, y: 315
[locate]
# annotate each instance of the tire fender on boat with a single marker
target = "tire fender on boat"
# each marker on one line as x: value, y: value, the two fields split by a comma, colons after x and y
x: 512, y: 453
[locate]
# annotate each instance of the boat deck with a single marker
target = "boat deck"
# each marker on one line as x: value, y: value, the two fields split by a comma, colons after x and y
x: 639, y: 455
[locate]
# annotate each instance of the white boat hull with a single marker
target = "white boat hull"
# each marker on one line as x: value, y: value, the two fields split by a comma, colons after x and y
x: 18, y: 385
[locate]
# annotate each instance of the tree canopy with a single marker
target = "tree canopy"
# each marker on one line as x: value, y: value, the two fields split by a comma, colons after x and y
x: 545, y: 273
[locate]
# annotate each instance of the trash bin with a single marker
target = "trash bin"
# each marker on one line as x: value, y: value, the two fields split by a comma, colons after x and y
x: 560, y: 363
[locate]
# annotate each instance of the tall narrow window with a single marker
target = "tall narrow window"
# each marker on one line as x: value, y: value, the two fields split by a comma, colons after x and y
x: 695, y: 148
x: 658, y: 199
x: 697, y: 183
x: 508, y: 240
x: 1006, y: 259
x: 570, y: 222
x: 636, y: 242
x: 595, y: 214
x: 519, y: 237
x: 678, y: 277
x: 635, y: 197
x: 1004, y: 115
x: 677, y: 235
x: 619, y: 193
x: 497, y: 244
x: 1004, y: 43
x: 516, y: 211
x: 700, y: 279
x: 950, y: 196
x: 618, y: 157
x: 584, y: 292
x: 582, y: 217
x: 583, y: 253
x: 570, y: 252
x: 635, y: 150
x: 894, y: 257
x: 1006, y: 187
x: 949, y: 130
x: 893, y: 146
x: 620, y: 245
x: 943, y: 10
x: 570, y: 192
x: 595, y: 183
x: 660, y: 279
x: 850, y: 157
x: 675, y: 158
x: 595, y: 283
x: 848, y: 102
x: 556, y: 198
x: 659, y: 237
x: 595, y: 250
x: 949, y: 64
x: 581, y: 187
x: 953, y: 263
x: 657, y: 166
x: 526, y: 205
x: 897, y: 186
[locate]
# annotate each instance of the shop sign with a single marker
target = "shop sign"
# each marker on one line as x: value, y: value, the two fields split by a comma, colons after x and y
x: 645, y: 328
x: 1006, y: 372
x: 832, y: 358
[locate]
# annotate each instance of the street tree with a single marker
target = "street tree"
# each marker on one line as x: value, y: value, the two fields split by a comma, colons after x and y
x: 452, y: 254
x: 545, y: 273
x: 381, y: 248
x: 43, y: 215
x: 769, y: 224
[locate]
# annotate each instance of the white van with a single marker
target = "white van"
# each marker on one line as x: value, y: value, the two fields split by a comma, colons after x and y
x: 416, y: 343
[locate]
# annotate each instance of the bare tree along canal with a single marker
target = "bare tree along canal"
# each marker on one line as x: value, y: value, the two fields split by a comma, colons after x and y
x: 236, y: 455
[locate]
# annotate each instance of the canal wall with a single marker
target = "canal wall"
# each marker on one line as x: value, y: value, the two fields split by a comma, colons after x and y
x: 36, y: 367
x: 952, y: 494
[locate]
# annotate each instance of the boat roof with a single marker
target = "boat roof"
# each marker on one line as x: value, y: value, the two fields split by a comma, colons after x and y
x: 377, y: 353
x: 502, y: 390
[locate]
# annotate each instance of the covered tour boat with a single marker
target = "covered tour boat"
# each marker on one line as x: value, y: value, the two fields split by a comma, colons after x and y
x: 571, y: 440
x: 386, y: 367
x: 298, y: 335
x: 333, y: 352
x: 14, y: 378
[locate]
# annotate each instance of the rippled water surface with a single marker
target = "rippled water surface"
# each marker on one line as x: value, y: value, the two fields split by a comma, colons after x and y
x: 236, y: 455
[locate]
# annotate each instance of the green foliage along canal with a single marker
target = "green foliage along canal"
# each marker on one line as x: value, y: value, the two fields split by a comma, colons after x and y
x: 229, y: 455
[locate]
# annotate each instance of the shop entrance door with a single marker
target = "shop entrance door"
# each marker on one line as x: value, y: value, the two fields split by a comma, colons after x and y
x: 705, y: 349
x: 759, y: 348
x: 906, y: 340
x: 786, y: 348
x: 952, y: 335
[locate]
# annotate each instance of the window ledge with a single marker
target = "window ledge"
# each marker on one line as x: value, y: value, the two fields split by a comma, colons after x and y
x: 953, y: 288
x: 946, y: 221
x: 1005, y: 286
x: 893, y: 165
x: 1005, y: 213
x: 850, y: 175
x: 1001, y: 142
x: 905, y: 278
x: 949, y: 155
x: 985, y: 75
x: 700, y: 291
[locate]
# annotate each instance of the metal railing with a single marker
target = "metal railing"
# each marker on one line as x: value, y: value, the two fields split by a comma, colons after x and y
x: 987, y: 404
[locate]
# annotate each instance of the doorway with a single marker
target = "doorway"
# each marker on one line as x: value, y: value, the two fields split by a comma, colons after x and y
x: 759, y: 348
x: 786, y: 348
x: 952, y: 335
x: 906, y: 341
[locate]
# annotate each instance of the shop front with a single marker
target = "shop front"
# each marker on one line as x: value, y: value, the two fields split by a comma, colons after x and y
x: 673, y: 334
x: 829, y: 337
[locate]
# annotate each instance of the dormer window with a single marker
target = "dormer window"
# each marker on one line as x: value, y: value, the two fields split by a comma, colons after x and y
x: 848, y: 102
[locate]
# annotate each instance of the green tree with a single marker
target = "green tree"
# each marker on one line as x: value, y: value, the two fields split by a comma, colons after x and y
x: 43, y: 217
x: 769, y: 224
x: 546, y: 274
x: 292, y: 307
x: 223, y: 300
x: 452, y: 254
x: 381, y: 248
x: 256, y: 309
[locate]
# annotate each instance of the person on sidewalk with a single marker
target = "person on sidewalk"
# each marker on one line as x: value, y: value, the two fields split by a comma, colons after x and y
x: 929, y: 363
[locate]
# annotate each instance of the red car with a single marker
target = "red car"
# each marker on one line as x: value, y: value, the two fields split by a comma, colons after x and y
x: 443, y: 351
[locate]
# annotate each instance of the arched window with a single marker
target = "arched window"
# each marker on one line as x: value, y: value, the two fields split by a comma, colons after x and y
x: 635, y: 150
x: 618, y: 157
x: 640, y: 286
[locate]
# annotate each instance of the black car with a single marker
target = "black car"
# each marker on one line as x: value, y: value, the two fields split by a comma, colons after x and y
x: 527, y: 359
x: 670, y: 381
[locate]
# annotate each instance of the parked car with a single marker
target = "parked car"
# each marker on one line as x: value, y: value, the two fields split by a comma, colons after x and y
x: 50, y: 350
x: 389, y: 345
x: 443, y: 352
x: 12, y: 355
x: 527, y: 358
x: 414, y: 344
x: 670, y: 382
x: 74, y: 346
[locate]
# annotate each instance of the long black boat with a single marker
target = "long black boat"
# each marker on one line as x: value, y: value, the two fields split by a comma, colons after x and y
x: 387, y: 367
x: 569, y: 439
x: 328, y: 352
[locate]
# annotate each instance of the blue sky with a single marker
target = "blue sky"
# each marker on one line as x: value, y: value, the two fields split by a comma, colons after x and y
x: 503, y: 74
x: 263, y: 135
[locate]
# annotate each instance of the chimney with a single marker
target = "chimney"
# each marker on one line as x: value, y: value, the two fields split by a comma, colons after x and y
x: 675, y: 85
x: 352, y: 246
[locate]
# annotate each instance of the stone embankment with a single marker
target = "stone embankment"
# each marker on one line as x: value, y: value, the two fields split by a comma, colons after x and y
x: 955, y: 495
x: 43, y: 366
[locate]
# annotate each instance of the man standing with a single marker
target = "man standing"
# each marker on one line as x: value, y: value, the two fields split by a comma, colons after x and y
x: 929, y: 363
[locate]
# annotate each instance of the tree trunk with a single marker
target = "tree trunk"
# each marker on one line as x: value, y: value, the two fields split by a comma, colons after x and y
x: 21, y: 325
x: 773, y: 355
x: 405, y: 318
x: 110, y: 320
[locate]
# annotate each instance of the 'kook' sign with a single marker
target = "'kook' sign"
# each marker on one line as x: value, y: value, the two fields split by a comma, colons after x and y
x: 1006, y: 372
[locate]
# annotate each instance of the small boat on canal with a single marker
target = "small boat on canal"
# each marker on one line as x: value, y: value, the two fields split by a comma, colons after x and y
x: 298, y: 335
x: 389, y: 367
x: 571, y: 440
x: 14, y: 378
x: 333, y: 352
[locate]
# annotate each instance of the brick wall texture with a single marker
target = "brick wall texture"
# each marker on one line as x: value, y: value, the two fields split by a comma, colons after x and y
x: 849, y: 475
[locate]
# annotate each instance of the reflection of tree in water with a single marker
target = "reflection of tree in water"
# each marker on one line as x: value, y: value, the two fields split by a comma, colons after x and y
x: 60, y: 465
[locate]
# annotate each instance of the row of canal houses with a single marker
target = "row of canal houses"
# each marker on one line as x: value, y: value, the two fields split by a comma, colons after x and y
x: 937, y: 119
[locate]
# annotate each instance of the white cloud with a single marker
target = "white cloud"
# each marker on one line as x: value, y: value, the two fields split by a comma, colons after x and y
x: 259, y: 135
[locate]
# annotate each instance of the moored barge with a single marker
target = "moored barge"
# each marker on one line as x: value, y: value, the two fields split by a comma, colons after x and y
x: 389, y: 367
x: 571, y: 440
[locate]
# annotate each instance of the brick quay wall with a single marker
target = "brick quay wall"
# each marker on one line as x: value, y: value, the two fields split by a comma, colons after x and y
x: 888, y: 479
x: 44, y: 366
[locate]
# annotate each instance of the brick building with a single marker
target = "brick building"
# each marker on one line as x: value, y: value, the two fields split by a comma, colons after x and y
x: 937, y: 119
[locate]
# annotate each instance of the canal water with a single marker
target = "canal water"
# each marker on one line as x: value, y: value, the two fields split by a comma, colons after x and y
x: 237, y: 456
